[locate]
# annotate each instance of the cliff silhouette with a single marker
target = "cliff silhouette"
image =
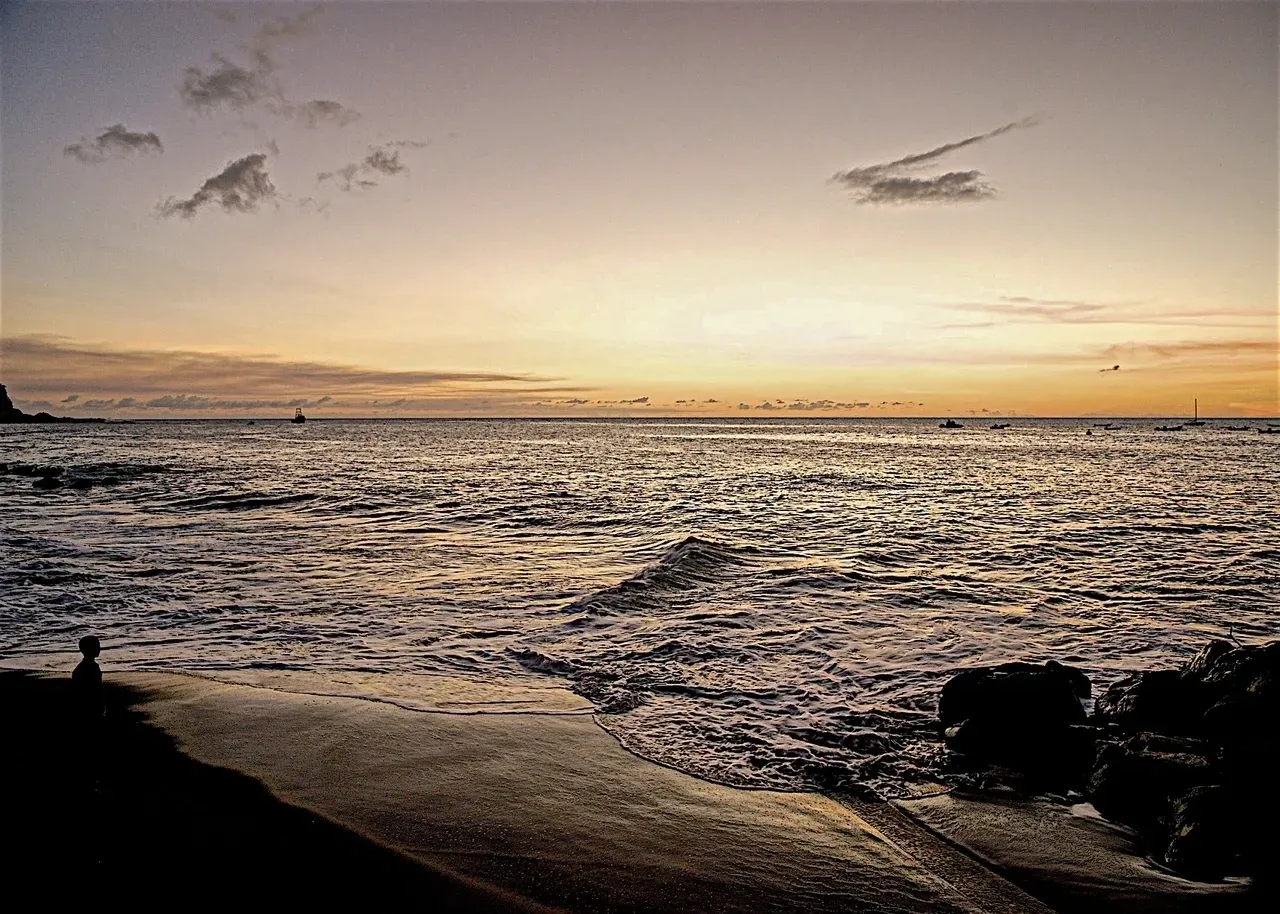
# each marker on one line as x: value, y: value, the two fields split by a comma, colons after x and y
x: 10, y: 413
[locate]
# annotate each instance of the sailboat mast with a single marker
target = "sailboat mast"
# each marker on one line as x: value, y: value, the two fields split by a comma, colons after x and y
x: 1196, y: 408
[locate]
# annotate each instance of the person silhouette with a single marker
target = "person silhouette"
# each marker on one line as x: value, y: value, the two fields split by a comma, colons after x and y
x: 86, y: 682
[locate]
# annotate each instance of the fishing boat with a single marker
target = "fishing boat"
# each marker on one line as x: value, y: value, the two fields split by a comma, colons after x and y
x: 298, y: 418
x: 1001, y: 425
x: 950, y: 423
x: 1196, y: 414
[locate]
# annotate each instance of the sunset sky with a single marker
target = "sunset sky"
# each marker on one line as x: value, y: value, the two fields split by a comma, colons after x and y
x: 616, y: 209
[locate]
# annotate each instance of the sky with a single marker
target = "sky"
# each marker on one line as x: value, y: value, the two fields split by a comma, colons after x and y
x: 421, y: 209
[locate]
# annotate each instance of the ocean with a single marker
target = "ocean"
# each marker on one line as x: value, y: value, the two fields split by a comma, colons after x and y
x: 766, y: 603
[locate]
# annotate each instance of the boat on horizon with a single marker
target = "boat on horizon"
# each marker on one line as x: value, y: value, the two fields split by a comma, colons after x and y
x: 1170, y: 428
x: 1195, y: 420
x: 950, y: 423
x: 1001, y: 425
x: 298, y: 418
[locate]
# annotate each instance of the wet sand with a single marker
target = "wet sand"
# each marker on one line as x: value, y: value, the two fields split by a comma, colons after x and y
x: 235, y: 789
x: 472, y: 812
x: 1072, y: 859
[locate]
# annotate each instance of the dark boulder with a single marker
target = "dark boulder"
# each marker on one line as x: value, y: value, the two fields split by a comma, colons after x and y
x: 1022, y: 716
x: 1204, y: 833
x: 1133, y: 782
x: 80, y: 483
x: 47, y: 482
x: 1019, y: 694
x: 1053, y: 757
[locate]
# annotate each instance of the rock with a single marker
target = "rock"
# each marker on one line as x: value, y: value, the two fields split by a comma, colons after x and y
x: 1163, y: 701
x: 1133, y: 782
x: 1203, y: 833
x: 1022, y: 716
x: 1053, y: 756
x: 10, y: 413
x: 49, y: 472
x: 81, y: 483
x: 47, y: 482
x: 1019, y: 694
x: 1206, y: 657
x: 23, y: 469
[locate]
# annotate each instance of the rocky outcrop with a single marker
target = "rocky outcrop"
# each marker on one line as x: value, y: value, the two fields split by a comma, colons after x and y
x: 11, y: 414
x: 1191, y: 759
x: 1186, y: 757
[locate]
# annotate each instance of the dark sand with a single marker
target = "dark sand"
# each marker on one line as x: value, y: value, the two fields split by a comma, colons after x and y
x: 236, y: 793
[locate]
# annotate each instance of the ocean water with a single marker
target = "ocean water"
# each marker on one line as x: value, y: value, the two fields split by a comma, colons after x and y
x: 764, y: 603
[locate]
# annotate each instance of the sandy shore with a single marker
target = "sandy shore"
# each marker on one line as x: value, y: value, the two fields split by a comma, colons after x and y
x: 239, y: 789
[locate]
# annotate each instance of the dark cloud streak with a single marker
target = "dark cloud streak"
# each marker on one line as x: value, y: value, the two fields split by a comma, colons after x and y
x: 893, y: 183
x: 114, y: 142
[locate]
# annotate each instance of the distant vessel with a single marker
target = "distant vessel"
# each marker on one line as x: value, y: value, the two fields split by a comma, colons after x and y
x: 1169, y: 428
x: 1196, y: 414
x: 950, y: 423
x: 1001, y: 425
x: 251, y: 422
x: 1271, y: 430
x: 298, y: 418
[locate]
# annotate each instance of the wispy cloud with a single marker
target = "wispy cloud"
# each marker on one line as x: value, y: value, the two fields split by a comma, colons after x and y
x: 1183, y: 349
x: 48, y: 364
x: 233, y: 86
x: 241, y: 187
x: 382, y: 160
x: 897, y: 182
x: 319, y: 112
x: 114, y: 142
x: 1021, y: 309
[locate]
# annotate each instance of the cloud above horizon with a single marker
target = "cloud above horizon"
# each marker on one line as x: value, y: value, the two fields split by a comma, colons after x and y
x: 1022, y: 309
x: 235, y: 87
x: 241, y: 187
x: 896, y: 182
x: 52, y: 364
x: 382, y: 160
x: 114, y: 142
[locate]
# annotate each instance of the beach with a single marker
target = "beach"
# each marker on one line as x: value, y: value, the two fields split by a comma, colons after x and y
x: 232, y: 791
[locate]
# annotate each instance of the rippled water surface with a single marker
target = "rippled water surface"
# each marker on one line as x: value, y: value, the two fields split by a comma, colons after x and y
x: 768, y: 603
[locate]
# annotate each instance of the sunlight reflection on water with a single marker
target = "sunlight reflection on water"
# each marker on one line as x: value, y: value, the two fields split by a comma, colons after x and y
x: 769, y: 603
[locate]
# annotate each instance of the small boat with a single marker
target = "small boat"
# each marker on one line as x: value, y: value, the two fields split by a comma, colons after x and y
x: 1101, y: 425
x: 1196, y: 414
x: 1170, y: 428
x: 1000, y: 425
x: 1270, y: 430
x: 251, y: 422
x: 950, y: 423
x: 298, y: 418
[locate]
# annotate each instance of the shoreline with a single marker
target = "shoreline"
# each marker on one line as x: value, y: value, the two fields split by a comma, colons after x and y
x: 516, y: 812
x: 531, y: 812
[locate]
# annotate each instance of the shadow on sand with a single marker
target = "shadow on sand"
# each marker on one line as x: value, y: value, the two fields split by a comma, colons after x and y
x: 123, y: 814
